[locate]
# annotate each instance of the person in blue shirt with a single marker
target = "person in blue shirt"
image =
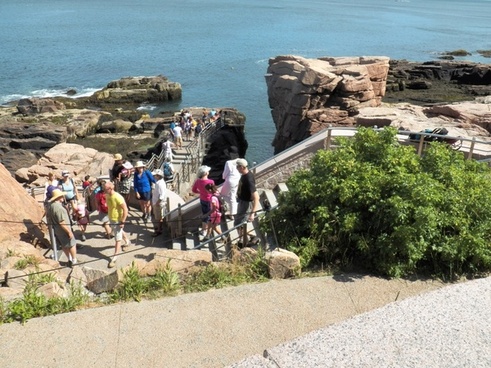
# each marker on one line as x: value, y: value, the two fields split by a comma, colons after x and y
x: 142, y: 184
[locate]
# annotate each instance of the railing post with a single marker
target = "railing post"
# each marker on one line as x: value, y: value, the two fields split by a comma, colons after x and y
x: 471, y: 149
x: 244, y: 235
x: 179, y: 220
x: 327, y: 144
x: 420, y: 146
x: 52, y: 239
x: 212, y: 245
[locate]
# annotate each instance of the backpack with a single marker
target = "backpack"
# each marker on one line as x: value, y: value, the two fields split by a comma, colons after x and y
x: 222, y: 204
x: 167, y: 170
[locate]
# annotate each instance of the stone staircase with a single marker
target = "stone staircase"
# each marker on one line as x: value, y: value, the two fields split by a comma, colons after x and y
x: 189, y: 237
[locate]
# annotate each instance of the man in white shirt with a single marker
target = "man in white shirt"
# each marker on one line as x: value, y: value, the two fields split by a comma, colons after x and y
x: 158, y: 201
x: 231, y: 177
x: 178, y: 135
x: 167, y: 148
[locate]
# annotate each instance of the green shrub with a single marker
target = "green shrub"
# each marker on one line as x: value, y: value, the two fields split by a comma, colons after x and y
x: 133, y: 286
x: 374, y: 203
x: 34, y: 304
x: 165, y: 280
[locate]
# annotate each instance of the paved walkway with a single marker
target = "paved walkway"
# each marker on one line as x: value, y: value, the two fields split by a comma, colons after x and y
x: 210, y: 329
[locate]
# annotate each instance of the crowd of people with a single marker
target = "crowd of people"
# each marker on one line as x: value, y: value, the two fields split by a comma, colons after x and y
x: 238, y: 192
x: 66, y: 207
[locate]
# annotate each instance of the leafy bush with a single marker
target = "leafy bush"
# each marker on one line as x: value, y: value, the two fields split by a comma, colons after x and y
x: 133, y: 286
x: 34, y: 304
x: 374, y: 203
x: 166, y: 280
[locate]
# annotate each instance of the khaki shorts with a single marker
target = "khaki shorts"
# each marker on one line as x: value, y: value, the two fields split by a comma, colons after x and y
x: 117, y: 231
x: 158, y: 212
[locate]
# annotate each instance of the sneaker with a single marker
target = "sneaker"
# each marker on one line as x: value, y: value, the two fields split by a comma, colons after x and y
x: 83, y: 237
x: 126, y: 244
x: 111, y: 264
x: 109, y: 236
x: 145, y: 218
x: 73, y: 262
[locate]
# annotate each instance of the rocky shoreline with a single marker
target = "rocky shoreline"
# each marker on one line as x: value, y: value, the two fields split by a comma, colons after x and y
x: 308, y: 95
x: 109, y: 121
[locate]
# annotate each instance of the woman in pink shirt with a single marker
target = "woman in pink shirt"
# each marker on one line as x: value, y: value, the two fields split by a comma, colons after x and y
x: 204, y: 195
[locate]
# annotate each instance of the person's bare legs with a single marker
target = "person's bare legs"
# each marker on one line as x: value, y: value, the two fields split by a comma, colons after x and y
x: 107, y: 228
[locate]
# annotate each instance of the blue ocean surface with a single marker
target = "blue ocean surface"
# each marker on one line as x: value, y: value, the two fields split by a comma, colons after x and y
x: 219, y: 49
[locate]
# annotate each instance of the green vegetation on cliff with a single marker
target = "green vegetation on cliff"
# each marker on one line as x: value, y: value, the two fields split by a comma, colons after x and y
x: 373, y: 203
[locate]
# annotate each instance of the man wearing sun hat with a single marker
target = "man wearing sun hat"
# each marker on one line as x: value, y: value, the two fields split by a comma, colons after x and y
x: 58, y: 217
x: 142, y: 183
x: 117, y: 167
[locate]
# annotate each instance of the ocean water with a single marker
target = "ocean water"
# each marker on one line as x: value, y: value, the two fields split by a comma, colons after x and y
x: 219, y: 49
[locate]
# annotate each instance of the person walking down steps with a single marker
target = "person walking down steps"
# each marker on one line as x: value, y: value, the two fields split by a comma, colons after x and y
x: 204, y: 196
x: 159, y: 193
x: 142, y: 183
x: 117, y: 213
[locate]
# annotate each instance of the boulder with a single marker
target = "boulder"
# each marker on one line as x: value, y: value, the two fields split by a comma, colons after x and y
x: 17, y: 162
x: 330, y: 86
x: 16, y: 279
x: 8, y: 294
x: 51, y: 290
x: 282, y: 264
x: 139, y: 89
x: 99, y: 281
x: 77, y: 159
x: 179, y: 261
x: 114, y: 126
x: 20, y: 214
x: 31, y: 106
x: 466, y: 119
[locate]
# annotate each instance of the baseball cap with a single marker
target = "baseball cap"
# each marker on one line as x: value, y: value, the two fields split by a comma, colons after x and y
x: 241, y: 162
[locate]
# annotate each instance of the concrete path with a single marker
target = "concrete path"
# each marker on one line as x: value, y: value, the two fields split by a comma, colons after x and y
x: 211, y: 329
x: 450, y: 327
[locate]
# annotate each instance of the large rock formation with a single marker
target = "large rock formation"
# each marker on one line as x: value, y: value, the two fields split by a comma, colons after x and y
x: 436, y: 81
x: 25, y: 137
x: 139, y: 90
x: 442, y: 93
x: 306, y: 95
x: 31, y: 106
x: 20, y: 214
x: 78, y: 160
x: 35, y: 125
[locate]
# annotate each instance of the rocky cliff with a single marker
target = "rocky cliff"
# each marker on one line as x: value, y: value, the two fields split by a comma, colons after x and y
x: 20, y: 214
x: 306, y: 95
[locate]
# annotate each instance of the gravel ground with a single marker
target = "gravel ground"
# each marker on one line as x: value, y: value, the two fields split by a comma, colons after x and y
x: 450, y: 327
